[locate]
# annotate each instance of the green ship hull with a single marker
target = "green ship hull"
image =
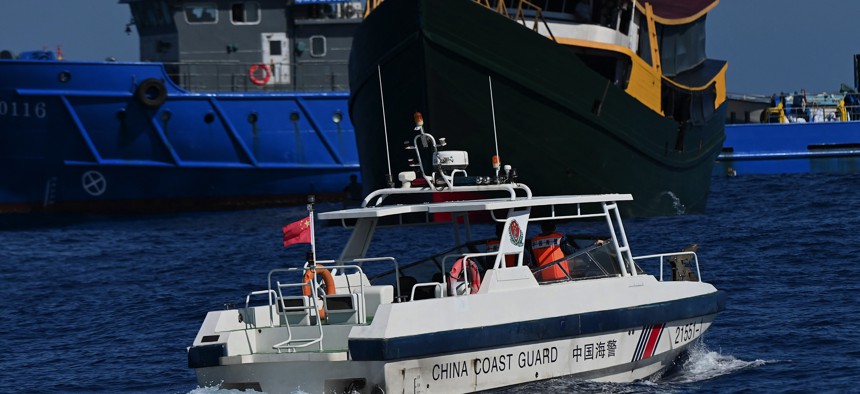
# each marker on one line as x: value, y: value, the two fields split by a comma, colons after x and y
x: 565, y: 128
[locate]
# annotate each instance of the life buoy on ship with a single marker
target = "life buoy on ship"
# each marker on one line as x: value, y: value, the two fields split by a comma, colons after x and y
x: 151, y: 92
x: 328, y: 280
x: 457, y: 275
x: 264, y: 69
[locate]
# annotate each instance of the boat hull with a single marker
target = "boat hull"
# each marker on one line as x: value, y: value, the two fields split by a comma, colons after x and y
x: 635, y: 328
x: 80, y: 136
x: 620, y: 356
x: 565, y: 128
x: 782, y: 148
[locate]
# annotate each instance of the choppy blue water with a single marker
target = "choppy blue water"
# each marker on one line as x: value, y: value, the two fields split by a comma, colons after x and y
x: 108, y: 304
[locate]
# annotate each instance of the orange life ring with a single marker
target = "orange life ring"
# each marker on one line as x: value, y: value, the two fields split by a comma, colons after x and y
x: 252, y: 73
x: 327, y: 279
x: 457, y: 275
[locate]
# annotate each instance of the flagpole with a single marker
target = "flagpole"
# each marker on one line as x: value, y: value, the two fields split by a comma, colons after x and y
x: 313, y: 240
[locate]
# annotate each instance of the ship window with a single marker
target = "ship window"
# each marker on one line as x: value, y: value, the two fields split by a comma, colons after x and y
x: 201, y: 13
x: 318, y: 46
x: 245, y: 13
x: 275, y: 48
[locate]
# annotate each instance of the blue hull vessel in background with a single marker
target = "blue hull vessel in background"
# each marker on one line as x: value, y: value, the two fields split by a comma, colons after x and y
x: 830, y: 147
x: 262, y: 120
x: 792, y: 133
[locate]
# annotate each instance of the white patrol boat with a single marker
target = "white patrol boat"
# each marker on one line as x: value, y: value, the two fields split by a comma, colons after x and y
x: 381, y: 325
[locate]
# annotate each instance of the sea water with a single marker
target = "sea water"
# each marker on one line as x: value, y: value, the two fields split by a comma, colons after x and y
x: 97, y: 304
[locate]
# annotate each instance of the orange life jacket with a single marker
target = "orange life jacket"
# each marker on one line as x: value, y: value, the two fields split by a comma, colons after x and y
x: 493, y: 246
x: 546, y: 249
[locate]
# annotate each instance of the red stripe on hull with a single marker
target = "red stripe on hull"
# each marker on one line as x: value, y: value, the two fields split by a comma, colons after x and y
x: 652, y: 341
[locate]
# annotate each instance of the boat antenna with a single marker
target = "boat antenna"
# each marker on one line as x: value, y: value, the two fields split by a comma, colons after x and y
x: 495, y: 132
x: 388, y: 178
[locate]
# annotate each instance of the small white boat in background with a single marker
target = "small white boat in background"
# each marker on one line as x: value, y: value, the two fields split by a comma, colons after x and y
x: 378, y: 325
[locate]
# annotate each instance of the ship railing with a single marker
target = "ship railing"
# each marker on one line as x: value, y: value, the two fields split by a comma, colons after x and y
x: 424, y: 269
x: 467, y: 258
x: 391, y: 260
x: 347, y: 304
x: 380, y: 195
x: 812, y: 113
x: 307, y: 307
x: 677, y: 261
x: 235, y: 76
x: 524, y: 12
x: 303, y: 310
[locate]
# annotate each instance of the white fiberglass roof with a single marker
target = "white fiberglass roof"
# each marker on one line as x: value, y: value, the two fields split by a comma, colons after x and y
x: 471, y: 206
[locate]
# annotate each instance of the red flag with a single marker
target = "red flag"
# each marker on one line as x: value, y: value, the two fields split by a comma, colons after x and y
x: 298, y: 232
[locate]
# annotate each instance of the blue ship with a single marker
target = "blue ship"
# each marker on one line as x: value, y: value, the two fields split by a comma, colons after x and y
x: 793, y: 133
x: 235, y: 104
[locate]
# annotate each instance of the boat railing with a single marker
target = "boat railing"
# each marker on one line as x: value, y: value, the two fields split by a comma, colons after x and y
x: 381, y: 194
x: 308, y: 305
x: 811, y: 113
x: 467, y: 257
x: 677, y: 259
x: 524, y: 12
x: 392, y: 260
x: 307, y: 308
x: 424, y: 268
x: 330, y: 265
x: 236, y: 76
x: 271, y: 293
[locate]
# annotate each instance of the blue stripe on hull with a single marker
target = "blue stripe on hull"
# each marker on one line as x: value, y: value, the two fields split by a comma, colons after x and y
x: 516, y: 333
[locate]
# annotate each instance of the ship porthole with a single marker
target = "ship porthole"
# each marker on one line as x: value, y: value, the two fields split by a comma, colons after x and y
x: 64, y: 76
x: 294, y: 117
x: 120, y: 115
x: 151, y: 92
x: 209, y: 118
x: 252, y: 118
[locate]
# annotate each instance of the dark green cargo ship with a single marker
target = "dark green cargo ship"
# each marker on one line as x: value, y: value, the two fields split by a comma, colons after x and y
x: 598, y: 97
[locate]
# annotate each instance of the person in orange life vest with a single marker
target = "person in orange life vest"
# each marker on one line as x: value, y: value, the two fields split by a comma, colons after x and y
x: 493, y: 246
x: 549, y: 246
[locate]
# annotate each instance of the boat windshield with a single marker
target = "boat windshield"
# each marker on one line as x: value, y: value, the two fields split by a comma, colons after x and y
x: 597, y: 261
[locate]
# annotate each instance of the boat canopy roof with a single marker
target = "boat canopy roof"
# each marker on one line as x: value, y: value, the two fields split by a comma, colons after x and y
x: 471, y: 206
x: 678, y: 12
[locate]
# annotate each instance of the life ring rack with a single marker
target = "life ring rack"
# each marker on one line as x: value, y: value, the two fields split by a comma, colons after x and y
x: 259, y: 81
x: 310, y: 285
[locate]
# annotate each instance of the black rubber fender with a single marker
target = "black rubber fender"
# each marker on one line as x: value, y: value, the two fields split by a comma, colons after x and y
x: 151, y: 92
